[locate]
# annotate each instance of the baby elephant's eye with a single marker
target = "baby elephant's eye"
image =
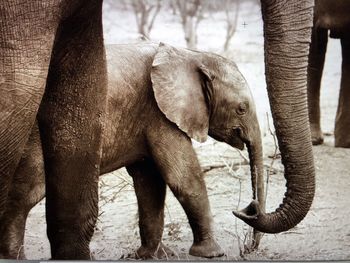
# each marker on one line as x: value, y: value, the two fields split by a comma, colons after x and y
x: 242, y: 108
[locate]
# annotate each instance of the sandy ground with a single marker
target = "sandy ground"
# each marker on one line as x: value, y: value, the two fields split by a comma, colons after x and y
x: 325, y: 232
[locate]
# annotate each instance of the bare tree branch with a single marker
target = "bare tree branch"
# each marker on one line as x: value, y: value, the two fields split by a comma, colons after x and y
x: 145, y: 12
x: 231, y: 11
x: 270, y: 168
x: 191, y: 13
x: 158, y: 6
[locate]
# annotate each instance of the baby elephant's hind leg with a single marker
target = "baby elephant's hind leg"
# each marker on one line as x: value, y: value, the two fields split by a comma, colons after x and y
x: 150, y: 191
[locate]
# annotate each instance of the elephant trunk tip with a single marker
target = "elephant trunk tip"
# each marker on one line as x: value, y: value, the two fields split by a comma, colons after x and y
x: 254, y: 216
x: 250, y: 213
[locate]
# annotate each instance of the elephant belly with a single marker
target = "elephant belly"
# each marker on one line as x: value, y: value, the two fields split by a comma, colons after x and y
x: 333, y: 15
x: 122, y: 151
x: 118, y: 161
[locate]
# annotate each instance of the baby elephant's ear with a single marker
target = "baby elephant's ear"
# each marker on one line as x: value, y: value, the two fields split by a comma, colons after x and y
x: 177, y: 83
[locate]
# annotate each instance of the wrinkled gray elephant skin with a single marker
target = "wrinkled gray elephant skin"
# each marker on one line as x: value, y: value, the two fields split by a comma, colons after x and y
x: 52, y: 56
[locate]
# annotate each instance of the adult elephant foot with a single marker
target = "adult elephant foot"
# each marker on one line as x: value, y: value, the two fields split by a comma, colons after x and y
x: 10, y: 252
x: 316, y: 135
x: 317, y: 140
x: 342, y: 141
x: 12, y: 227
x: 341, y: 131
x: 18, y: 256
x: 207, y: 248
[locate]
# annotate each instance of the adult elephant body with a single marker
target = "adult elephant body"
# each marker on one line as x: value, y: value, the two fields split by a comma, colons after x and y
x: 59, y: 44
x: 330, y: 16
x: 55, y: 47
x: 158, y: 97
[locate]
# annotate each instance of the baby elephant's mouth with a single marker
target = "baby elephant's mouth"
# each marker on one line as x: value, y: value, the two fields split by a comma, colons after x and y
x: 236, y: 139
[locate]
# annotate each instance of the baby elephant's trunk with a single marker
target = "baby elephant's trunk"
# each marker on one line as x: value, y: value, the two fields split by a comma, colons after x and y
x: 254, y: 146
x: 256, y: 167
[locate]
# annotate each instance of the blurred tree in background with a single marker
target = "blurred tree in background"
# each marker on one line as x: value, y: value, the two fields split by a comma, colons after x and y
x: 172, y: 5
x: 145, y: 12
x: 191, y: 13
x: 231, y: 8
x: 224, y: 13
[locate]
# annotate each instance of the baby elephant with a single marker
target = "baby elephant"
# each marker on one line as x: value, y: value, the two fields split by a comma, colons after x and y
x: 159, y: 97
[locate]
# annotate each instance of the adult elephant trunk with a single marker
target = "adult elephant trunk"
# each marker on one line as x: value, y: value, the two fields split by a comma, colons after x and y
x: 287, y: 33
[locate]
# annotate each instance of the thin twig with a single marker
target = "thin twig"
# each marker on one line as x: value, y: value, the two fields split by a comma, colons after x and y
x: 208, y: 168
x: 19, y: 251
x: 167, y: 208
x: 236, y: 228
x: 273, y: 134
x: 231, y: 171
x: 246, y: 159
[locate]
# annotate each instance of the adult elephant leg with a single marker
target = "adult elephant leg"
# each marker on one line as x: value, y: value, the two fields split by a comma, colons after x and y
x: 150, y: 191
x: 70, y: 121
x: 287, y: 32
x: 27, y: 189
x: 342, y: 123
x: 317, y: 54
x: 26, y: 40
x: 177, y: 161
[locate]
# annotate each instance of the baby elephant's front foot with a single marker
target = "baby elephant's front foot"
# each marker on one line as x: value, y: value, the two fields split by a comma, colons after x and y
x: 208, y: 248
